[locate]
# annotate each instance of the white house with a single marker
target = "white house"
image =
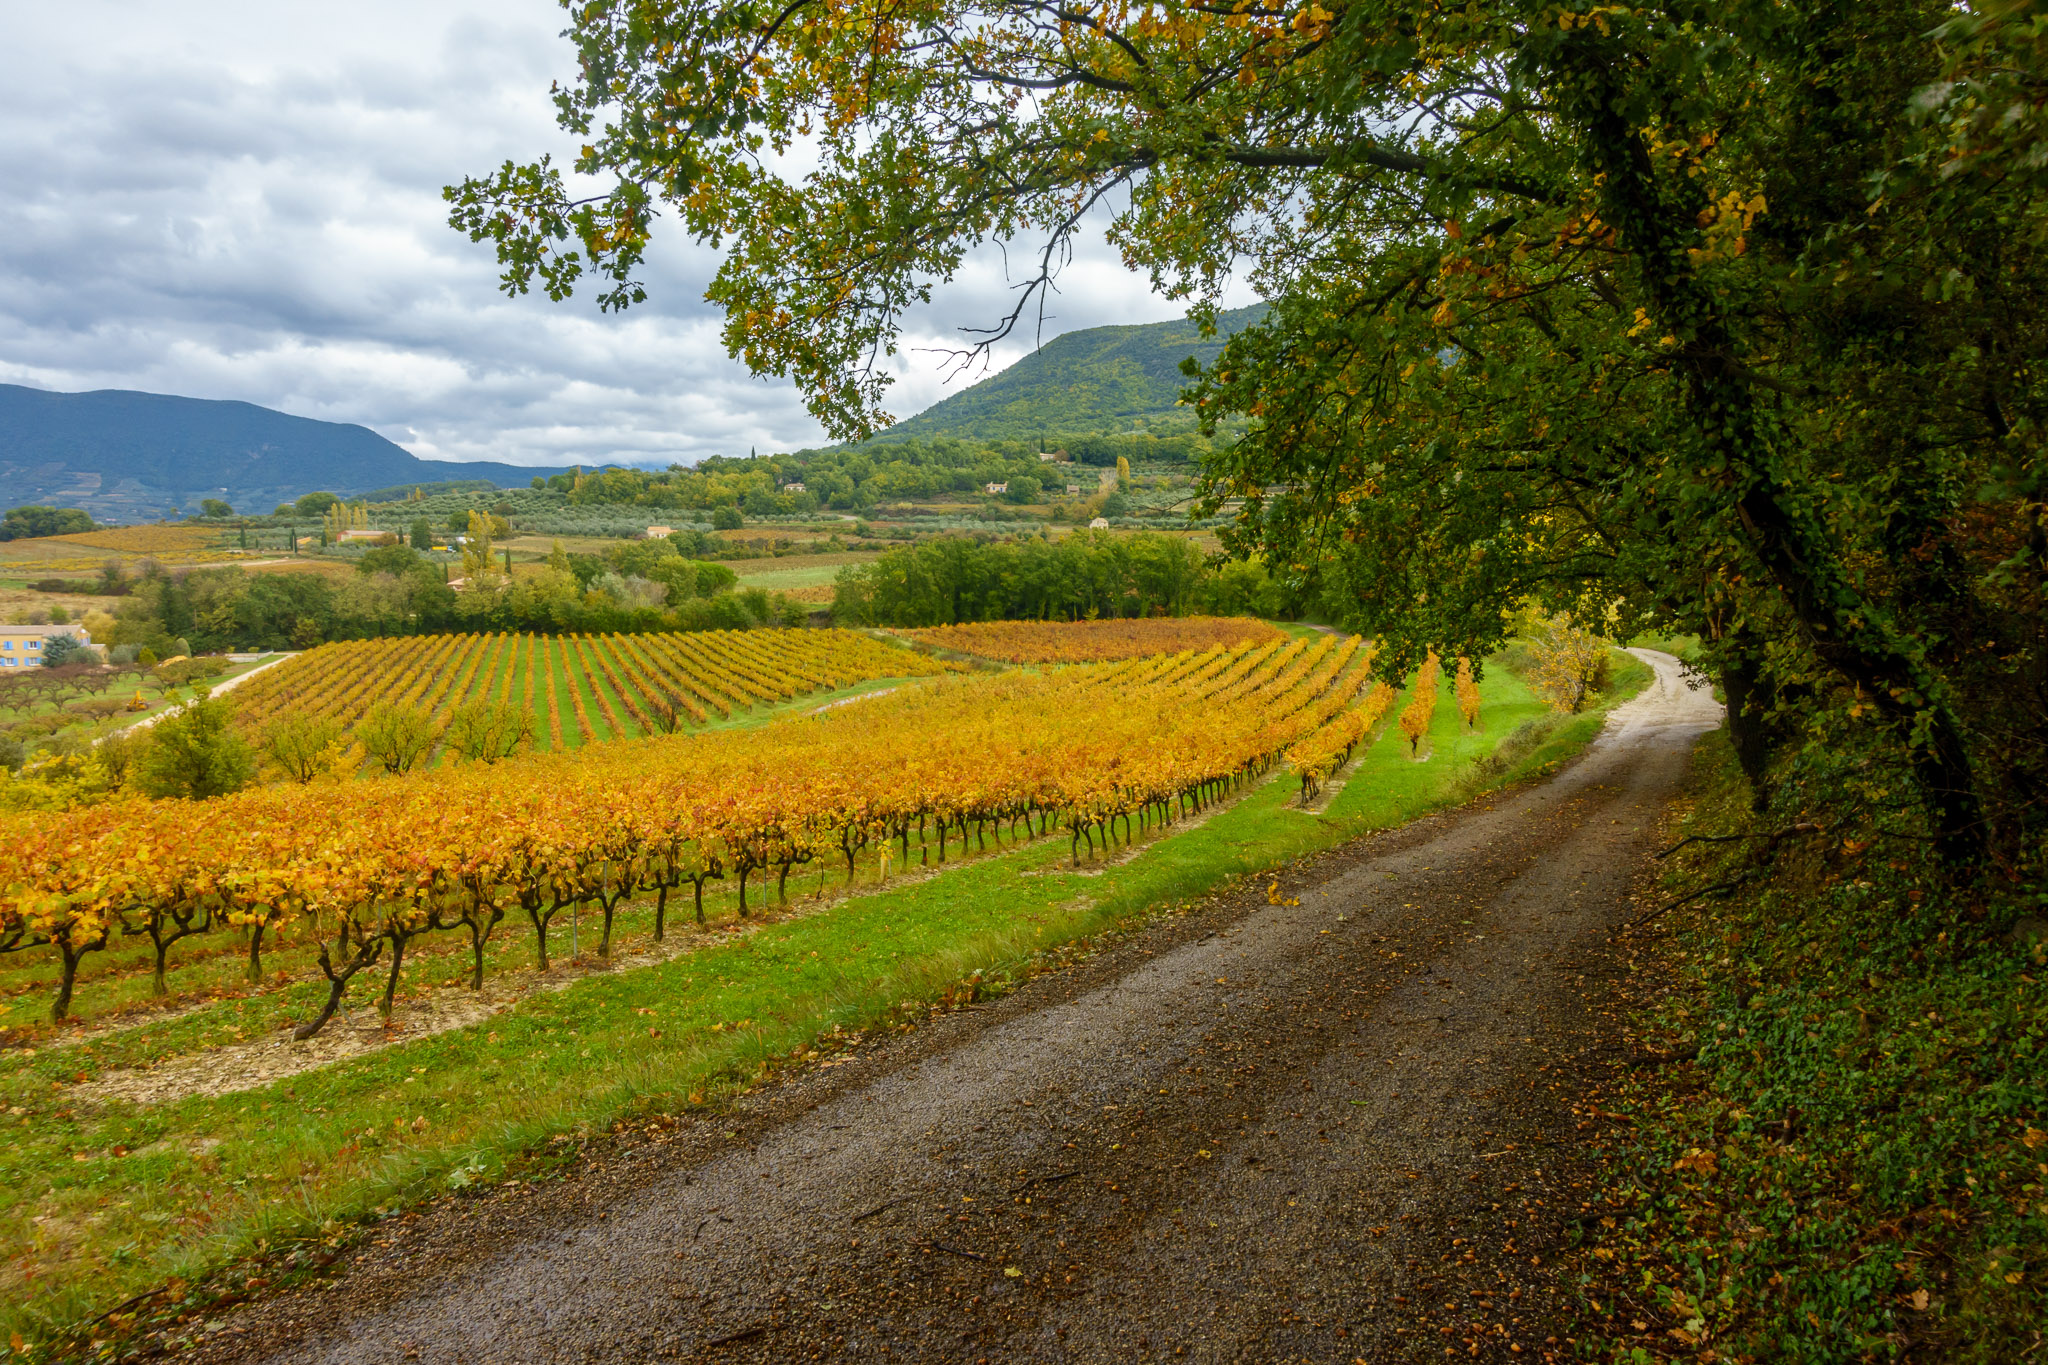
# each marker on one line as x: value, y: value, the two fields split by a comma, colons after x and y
x: 22, y: 646
x: 1099, y: 524
x: 1073, y: 490
x: 660, y: 532
x: 998, y: 488
x: 794, y: 486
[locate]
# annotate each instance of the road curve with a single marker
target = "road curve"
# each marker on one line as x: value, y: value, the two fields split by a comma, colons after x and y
x: 1323, y: 1131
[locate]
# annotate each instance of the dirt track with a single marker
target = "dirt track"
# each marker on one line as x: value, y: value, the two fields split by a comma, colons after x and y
x: 1333, y: 1131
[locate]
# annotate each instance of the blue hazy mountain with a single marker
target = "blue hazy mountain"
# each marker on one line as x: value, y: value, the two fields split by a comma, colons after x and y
x: 128, y: 456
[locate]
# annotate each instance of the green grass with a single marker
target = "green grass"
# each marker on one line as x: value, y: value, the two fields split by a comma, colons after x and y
x: 784, y: 580
x: 1680, y: 646
x: 205, y: 1180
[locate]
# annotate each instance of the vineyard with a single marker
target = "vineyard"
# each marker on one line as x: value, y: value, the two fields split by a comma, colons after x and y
x: 195, y: 939
x: 368, y: 867
x: 1070, y: 642
x: 579, y: 689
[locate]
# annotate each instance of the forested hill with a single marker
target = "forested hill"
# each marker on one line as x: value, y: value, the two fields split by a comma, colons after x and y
x: 1095, y: 381
x: 122, y: 455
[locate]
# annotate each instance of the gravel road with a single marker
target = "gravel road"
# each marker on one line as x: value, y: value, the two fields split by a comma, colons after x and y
x: 1337, y: 1128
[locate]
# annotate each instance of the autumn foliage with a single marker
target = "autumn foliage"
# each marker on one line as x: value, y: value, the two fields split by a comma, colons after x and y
x: 1064, y: 642
x: 398, y: 698
x: 366, y: 867
x: 1421, y: 708
x: 1468, y: 694
x: 1330, y: 748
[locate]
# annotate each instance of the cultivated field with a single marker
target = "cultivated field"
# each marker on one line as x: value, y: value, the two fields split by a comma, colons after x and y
x: 1066, y: 642
x: 581, y: 688
x: 82, y: 553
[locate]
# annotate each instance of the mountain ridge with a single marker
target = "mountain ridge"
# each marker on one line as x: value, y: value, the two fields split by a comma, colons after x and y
x: 1105, y: 379
x: 123, y: 454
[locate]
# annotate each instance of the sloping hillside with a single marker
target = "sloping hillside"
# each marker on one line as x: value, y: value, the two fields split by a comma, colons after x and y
x: 123, y: 455
x: 1094, y: 381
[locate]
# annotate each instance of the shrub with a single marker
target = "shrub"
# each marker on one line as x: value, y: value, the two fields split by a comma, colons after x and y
x: 396, y: 736
x: 486, y: 731
x: 60, y: 650
x: 305, y: 747
x: 1567, y: 665
x: 196, y: 753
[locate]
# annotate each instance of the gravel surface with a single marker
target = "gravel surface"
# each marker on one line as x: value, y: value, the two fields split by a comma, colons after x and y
x: 1334, y: 1128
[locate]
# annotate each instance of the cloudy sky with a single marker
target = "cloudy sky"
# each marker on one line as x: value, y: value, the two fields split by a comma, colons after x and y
x: 232, y: 199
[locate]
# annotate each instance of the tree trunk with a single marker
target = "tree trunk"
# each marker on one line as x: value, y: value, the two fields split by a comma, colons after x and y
x: 660, y: 910
x: 337, y: 983
x: 256, y: 953
x: 1747, y: 695
x: 1842, y: 628
x: 60, y: 1008
x: 157, y: 985
x: 540, y: 937
x: 391, y: 981
x: 698, y: 886
x: 319, y: 1021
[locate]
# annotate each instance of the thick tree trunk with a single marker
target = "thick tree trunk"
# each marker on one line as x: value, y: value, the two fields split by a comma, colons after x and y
x: 256, y: 953
x: 660, y: 910
x: 1748, y: 697
x: 1842, y: 628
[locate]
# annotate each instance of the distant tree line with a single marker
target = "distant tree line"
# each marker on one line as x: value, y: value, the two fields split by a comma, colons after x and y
x: 634, y: 586
x: 25, y: 523
x: 955, y: 578
x: 856, y: 478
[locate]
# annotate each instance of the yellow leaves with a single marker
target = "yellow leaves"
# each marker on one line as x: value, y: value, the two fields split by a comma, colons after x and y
x: 1643, y: 322
x: 1698, y: 1160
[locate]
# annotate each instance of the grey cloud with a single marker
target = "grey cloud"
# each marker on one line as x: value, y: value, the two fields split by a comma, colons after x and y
x: 242, y: 200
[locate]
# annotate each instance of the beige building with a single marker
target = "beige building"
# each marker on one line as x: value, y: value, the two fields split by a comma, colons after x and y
x: 22, y: 646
